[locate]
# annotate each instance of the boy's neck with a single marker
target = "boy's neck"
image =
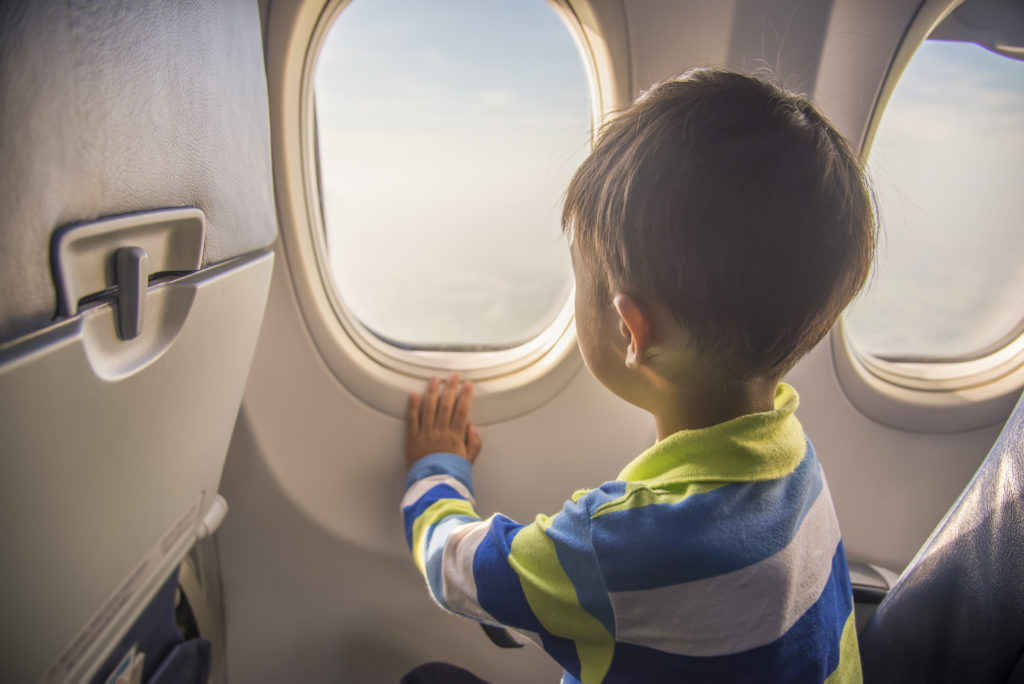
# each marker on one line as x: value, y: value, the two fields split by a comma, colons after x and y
x: 700, y: 405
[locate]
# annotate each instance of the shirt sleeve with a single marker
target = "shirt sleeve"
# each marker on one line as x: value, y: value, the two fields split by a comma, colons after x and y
x: 543, y: 578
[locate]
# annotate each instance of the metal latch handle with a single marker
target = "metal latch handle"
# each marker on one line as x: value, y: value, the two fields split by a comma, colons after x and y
x: 132, y: 280
x: 122, y: 253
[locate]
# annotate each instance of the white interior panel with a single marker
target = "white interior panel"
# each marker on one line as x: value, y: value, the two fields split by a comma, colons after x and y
x: 663, y: 42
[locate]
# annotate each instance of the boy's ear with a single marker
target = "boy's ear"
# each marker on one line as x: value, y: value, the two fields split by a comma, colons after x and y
x: 635, y: 327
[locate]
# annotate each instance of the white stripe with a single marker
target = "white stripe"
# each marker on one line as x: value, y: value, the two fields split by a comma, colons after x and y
x: 433, y: 558
x: 739, y: 610
x: 421, y: 487
x: 459, y: 586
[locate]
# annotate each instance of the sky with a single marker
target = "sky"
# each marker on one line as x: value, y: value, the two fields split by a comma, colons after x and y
x: 946, y: 167
x: 448, y: 134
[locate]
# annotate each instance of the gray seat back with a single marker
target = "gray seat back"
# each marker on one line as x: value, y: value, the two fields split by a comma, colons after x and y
x: 136, y: 207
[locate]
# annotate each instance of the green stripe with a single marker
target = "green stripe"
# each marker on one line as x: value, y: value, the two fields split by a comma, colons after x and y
x: 759, y: 446
x: 639, y: 495
x: 848, y: 669
x: 438, y: 511
x: 552, y: 598
x: 580, y: 493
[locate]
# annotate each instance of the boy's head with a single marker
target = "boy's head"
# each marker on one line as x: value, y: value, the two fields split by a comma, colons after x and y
x: 735, y: 207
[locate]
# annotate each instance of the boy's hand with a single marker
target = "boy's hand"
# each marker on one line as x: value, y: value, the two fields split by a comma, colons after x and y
x: 440, y: 422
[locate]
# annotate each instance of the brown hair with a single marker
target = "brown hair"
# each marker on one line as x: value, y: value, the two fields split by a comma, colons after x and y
x: 734, y: 204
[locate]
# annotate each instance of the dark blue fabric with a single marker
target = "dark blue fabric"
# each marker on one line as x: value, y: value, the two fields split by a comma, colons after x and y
x: 563, y: 651
x: 169, y: 658
x: 187, y: 663
x: 155, y: 632
x: 498, y: 588
x: 957, y: 612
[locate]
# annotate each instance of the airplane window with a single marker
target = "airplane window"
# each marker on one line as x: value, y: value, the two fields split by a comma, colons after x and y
x: 945, y: 162
x: 447, y: 133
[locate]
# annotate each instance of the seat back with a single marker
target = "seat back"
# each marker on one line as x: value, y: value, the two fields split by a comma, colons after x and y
x: 956, y: 614
x: 136, y: 207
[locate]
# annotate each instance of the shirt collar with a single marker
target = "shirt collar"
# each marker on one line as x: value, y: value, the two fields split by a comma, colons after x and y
x: 758, y: 446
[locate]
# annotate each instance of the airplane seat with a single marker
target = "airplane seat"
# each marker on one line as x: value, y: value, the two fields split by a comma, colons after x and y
x: 136, y: 214
x: 956, y: 614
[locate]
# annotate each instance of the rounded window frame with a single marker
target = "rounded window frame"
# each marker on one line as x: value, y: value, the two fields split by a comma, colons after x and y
x: 926, y: 396
x: 510, y: 381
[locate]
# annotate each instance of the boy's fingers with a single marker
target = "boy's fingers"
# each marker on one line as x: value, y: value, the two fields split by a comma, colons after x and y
x: 460, y: 417
x: 412, y: 421
x: 447, y: 401
x: 429, y: 405
x: 473, y: 443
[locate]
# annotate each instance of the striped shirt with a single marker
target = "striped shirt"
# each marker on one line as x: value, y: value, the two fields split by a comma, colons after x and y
x: 715, y: 556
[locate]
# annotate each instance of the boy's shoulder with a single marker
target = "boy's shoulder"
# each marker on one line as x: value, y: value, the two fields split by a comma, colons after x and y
x: 704, y: 515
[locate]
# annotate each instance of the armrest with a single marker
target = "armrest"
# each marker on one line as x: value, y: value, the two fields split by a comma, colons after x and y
x: 870, y: 584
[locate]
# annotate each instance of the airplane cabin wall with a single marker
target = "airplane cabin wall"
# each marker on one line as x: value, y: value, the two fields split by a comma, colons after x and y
x: 318, y: 583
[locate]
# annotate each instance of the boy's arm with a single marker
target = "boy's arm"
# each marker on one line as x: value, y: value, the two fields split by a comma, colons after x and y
x: 542, y: 577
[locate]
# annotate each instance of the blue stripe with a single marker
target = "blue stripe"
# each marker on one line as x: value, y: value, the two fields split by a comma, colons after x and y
x: 429, y: 498
x: 808, y: 652
x: 570, y: 531
x: 498, y: 590
x: 706, y: 534
x: 606, y: 493
x: 437, y: 537
x: 842, y: 601
x: 441, y: 463
x: 564, y: 653
x: 500, y: 593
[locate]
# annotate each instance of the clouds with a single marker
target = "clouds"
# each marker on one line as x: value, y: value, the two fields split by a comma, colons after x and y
x: 445, y: 147
x: 945, y: 164
x: 494, y: 98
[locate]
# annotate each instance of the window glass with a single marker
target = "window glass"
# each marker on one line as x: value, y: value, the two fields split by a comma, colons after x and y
x: 447, y: 133
x: 946, y: 161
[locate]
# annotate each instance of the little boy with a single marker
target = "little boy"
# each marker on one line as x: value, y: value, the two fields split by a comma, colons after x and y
x: 717, y: 231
